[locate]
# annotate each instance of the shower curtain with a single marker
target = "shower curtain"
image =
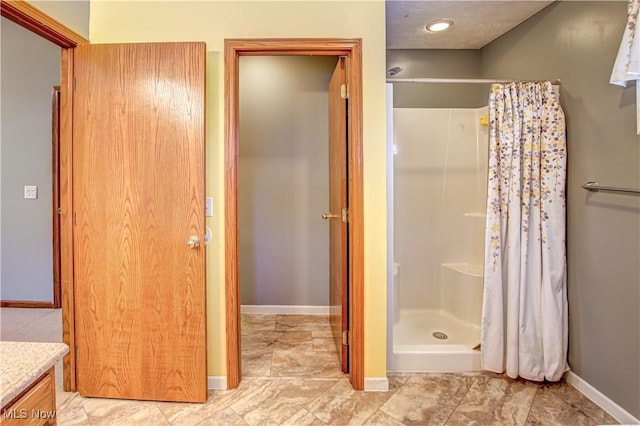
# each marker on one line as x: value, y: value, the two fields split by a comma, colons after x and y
x: 524, y: 319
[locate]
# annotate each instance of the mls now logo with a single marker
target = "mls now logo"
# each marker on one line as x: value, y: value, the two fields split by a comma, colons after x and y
x: 23, y: 414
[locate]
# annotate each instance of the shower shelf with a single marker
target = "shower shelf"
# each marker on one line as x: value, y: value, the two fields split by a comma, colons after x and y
x: 475, y: 214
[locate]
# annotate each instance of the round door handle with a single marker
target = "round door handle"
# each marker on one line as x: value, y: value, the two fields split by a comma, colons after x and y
x: 193, y: 241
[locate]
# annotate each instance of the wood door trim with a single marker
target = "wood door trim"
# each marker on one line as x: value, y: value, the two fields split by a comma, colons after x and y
x: 38, y: 22
x: 356, y: 220
x: 352, y: 48
x: 55, y: 179
x: 28, y: 16
x: 66, y: 218
x: 25, y: 304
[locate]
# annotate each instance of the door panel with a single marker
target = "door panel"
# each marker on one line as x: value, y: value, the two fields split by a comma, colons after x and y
x: 338, y: 241
x: 139, y: 176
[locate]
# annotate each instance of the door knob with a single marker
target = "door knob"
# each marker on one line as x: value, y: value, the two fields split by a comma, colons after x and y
x: 193, y: 241
x: 328, y: 216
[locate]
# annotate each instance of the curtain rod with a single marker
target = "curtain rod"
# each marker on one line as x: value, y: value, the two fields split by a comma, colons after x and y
x: 461, y: 80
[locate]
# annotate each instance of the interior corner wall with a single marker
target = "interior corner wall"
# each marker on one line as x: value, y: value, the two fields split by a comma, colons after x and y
x: 30, y: 68
x: 577, y: 42
x: 440, y: 63
x: 284, y: 179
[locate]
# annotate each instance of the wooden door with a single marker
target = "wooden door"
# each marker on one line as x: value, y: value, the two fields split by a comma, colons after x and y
x: 138, y: 197
x: 338, y: 228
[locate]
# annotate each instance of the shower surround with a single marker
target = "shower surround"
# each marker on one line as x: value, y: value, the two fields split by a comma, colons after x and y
x: 439, y: 198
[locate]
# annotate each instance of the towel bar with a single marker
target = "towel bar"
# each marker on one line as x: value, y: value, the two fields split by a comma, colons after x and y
x: 594, y: 186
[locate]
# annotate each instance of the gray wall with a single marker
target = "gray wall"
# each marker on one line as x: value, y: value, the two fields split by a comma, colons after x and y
x: 74, y: 14
x: 577, y: 42
x: 437, y: 63
x: 283, y: 179
x: 30, y: 67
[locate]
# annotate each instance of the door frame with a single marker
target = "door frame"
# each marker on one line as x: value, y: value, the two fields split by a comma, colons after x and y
x: 55, y: 179
x: 352, y: 49
x: 33, y: 19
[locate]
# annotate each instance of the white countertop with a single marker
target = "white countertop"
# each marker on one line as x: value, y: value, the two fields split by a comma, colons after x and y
x: 21, y: 363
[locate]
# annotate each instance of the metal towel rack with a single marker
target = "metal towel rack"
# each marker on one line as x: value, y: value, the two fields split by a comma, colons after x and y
x: 594, y: 186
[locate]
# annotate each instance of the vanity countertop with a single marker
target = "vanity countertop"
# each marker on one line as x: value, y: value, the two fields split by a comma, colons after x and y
x: 22, y: 363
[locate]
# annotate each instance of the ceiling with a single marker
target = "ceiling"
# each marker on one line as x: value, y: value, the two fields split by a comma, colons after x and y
x: 476, y: 23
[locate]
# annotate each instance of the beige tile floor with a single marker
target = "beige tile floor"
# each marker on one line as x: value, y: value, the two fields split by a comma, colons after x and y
x: 292, y: 377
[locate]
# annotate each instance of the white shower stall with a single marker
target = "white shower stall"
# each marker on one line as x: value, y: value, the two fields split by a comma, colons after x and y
x: 437, y: 194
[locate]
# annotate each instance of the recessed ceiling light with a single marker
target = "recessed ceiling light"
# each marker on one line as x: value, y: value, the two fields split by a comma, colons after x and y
x: 438, y: 25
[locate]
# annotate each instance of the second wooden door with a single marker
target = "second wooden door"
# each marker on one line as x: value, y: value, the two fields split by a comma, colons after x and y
x: 338, y: 199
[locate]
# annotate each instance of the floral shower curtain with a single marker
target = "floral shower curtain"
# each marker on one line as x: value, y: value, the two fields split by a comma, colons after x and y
x: 524, y: 319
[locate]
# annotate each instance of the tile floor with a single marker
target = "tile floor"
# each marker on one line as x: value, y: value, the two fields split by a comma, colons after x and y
x: 292, y: 377
x: 288, y: 346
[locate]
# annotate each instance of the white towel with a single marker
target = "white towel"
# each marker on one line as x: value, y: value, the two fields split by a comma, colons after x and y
x: 627, y: 65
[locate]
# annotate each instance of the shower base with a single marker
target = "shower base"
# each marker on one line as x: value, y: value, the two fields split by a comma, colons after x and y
x: 415, y: 348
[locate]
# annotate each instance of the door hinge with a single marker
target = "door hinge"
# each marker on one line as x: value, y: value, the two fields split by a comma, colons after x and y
x: 59, y: 211
x: 345, y: 338
x: 345, y: 214
x: 344, y: 91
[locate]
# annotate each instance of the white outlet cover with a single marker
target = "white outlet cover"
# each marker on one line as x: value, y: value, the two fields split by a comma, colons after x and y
x: 30, y: 192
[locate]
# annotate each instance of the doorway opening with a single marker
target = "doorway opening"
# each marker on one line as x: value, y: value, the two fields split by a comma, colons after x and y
x: 351, y: 51
x: 37, y: 22
x: 31, y: 66
x: 284, y: 241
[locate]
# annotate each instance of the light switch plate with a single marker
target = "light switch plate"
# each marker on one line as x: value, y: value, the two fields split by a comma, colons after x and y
x: 30, y: 192
x: 208, y: 210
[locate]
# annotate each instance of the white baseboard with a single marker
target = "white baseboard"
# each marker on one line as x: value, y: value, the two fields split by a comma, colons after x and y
x: 376, y: 384
x: 217, y: 382
x: 284, y: 309
x: 619, y: 413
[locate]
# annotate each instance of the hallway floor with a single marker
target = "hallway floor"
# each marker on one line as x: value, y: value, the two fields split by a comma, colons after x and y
x: 292, y: 377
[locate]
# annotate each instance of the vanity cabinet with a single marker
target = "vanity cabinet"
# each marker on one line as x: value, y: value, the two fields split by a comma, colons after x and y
x: 34, y: 406
x: 27, y: 382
